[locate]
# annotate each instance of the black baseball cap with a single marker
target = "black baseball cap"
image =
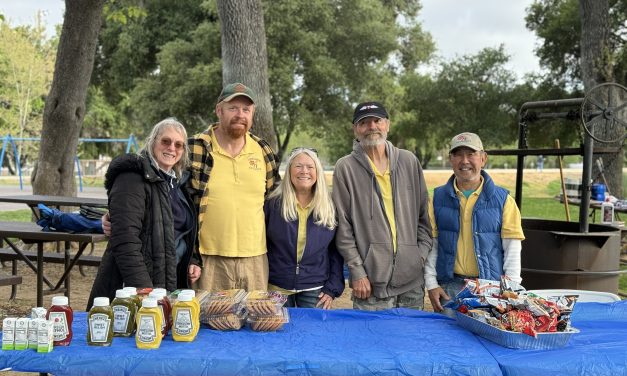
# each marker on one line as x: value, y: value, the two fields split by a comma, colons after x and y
x: 366, y: 109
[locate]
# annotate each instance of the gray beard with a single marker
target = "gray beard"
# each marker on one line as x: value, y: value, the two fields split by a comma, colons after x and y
x: 373, y: 142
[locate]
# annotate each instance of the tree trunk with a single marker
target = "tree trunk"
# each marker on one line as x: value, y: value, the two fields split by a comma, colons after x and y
x: 597, y: 68
x: 245, y: 59
x: 65, y: 105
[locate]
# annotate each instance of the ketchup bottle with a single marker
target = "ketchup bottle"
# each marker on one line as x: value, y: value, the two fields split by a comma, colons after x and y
x: 61, y: 316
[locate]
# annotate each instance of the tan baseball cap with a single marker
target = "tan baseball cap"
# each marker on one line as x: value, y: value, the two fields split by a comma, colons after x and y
x: 466, y: 139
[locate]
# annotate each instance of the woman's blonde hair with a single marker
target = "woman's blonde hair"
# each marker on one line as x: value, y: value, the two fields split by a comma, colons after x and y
x: 153, y: 138
x: 321, y: 206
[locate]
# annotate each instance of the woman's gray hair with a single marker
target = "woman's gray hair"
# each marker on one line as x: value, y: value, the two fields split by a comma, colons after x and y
x: 153, y: 138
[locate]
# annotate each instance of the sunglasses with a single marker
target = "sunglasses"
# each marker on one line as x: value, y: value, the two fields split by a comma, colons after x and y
x: 166, y: 142
x: 300, y: 149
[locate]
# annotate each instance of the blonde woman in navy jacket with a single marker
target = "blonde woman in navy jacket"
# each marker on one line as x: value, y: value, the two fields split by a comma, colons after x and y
x: 300, y: 235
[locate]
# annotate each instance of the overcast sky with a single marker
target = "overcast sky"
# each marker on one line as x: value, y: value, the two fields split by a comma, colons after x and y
x: 459, y: 27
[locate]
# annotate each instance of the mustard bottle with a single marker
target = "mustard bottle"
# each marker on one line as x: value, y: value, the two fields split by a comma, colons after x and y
x: 148, y: 335
x: 185, y: 319
x: 195, y: 304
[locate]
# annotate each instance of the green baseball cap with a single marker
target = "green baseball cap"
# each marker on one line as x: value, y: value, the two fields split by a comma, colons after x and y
x: 236, y: 89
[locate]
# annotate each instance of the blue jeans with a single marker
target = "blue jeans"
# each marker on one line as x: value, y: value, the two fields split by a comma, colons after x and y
x: 303, y: 299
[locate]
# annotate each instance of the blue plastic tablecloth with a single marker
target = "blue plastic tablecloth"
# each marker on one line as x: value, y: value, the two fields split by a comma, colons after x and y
x: 600, y: 347
x: 315, y: 342
x: 347, y: 342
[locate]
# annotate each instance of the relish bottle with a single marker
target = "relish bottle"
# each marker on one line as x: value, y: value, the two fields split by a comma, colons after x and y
x: 100, y: 323
x: 124, y: 311
x: 61, y: 315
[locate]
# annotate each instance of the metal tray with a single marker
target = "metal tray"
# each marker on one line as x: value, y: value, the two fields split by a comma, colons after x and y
x: 514, y: 340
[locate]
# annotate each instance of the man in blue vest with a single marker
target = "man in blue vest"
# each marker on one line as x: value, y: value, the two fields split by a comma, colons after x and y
x: 476, y: 226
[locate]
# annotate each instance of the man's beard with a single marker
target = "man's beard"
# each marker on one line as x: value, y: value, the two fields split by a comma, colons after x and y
x: 366, y: 141
x: 236, y: 132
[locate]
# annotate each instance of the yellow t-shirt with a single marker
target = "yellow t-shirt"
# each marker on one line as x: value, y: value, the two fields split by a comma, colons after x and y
x: 385, y: 185
x: 466, y: 260
x: 303, y: 214
x: 234, y: 225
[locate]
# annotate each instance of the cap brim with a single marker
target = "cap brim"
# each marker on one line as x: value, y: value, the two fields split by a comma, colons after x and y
x: 475, y: 148
x: 230, y: 97
x: 378, y: 116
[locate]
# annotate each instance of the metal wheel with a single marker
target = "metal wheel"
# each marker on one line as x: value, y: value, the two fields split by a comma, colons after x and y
x: 604, y: 112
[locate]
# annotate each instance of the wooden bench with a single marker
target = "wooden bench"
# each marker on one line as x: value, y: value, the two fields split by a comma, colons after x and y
x: 7, y: 254
x: 13, y: 281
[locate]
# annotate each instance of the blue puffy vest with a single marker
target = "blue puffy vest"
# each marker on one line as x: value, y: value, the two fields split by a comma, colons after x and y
x: 487, y: 220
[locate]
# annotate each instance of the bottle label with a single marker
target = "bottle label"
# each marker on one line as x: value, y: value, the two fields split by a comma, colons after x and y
x: 146, y: 331
x: 60, y: 330
x: 121, y: 315
x: 183, y: 323
x: 99, y: 327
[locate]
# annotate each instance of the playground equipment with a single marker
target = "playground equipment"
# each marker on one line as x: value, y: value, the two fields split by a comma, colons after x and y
x: 9, y: 140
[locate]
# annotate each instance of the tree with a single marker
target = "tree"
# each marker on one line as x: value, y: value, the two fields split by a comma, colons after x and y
x: 65, y: 105
x: 596, y: 69
x: 474, y: 93
x: 245, y: 58
x: 584, y: 43
x: 319, y: 67
x: 26, y: 67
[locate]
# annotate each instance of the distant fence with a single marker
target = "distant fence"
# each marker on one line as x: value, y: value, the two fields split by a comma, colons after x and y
x: 8, y: 140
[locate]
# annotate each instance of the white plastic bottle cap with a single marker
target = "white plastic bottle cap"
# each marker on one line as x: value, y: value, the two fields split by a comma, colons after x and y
x: 156, y: 294
x: 101, y: 301
x: 188, y: 291
x: 185, y: 297
x: 161, y: 290
x: 59, y: 300
x: 131, y: 290
x: 149, y: 303
x: 122, y: 294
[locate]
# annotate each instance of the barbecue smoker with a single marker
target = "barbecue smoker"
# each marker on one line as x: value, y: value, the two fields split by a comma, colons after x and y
x: 571, y: 255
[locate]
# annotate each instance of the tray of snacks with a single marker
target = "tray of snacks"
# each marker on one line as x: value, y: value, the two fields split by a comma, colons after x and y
x: 504, y: 313
x: 220, y: 302
x: 268, y: 323
x: 264, y: 302
x: 226, y: 321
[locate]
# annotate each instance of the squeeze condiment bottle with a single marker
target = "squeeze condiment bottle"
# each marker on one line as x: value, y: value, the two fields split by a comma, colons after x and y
x: 166, y: 309
x: 100, y: 323
x: 185, y: 319
x: 134, y: 297
x: 61, y: 316
x: 195, y: 304
x: 148, y: 334
x: 124, y: 311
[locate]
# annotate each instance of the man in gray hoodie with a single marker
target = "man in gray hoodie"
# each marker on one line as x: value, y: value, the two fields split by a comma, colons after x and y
x: 383, y: 232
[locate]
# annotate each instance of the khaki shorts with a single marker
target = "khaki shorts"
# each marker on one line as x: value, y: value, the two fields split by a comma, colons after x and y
x: 411, y: 299
x: 224, y: 273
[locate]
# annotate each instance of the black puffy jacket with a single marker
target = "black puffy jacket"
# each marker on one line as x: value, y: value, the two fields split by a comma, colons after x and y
x: 141, y: 251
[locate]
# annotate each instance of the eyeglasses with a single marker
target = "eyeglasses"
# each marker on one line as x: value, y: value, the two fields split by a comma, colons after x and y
x: 166, y: 142
x: 301, y: 148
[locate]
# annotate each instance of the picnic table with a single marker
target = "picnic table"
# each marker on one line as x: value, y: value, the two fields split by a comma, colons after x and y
x: 30, y: 232
x: 346, y: 342
x: 56, y: 201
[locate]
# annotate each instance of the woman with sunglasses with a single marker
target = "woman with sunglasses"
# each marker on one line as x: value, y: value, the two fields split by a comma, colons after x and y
x: 153, y: 226
x: 300, y: 235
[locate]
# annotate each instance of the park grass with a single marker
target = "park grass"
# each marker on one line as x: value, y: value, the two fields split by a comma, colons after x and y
x: 23, y: 215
